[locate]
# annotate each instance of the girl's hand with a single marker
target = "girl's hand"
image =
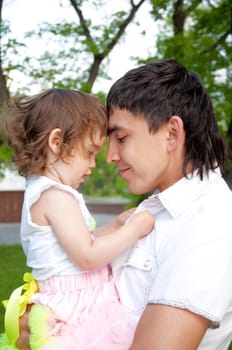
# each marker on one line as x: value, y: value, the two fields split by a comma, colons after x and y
x: 114, y: 224
x: 143, y: 223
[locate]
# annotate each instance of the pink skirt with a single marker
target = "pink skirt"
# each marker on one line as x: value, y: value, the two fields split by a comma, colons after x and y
x: 87, y: 312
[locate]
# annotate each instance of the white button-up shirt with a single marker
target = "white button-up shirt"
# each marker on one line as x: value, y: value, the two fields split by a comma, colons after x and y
x: 186, y: 261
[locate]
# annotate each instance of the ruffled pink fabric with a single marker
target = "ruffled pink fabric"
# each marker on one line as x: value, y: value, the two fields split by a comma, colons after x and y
x: 88, y: 313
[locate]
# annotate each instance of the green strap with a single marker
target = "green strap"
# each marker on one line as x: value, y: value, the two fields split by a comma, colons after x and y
x: 16, y: 306
x: 12, y: 316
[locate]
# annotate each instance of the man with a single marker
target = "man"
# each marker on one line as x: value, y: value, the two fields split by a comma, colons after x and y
x: 163, y: 136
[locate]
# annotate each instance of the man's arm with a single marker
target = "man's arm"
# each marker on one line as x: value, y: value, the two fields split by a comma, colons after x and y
x: 170, y: 328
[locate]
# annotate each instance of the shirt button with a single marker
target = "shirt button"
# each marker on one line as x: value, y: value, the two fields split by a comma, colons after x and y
x: 147, y: 263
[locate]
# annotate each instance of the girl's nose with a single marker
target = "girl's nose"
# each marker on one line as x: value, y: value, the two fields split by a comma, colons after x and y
x: 93, y: 163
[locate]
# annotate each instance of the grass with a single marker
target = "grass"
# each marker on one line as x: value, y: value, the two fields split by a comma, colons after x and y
x: 13, y: 265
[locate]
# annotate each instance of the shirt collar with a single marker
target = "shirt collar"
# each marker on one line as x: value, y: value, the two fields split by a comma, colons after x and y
x: 178, y: 196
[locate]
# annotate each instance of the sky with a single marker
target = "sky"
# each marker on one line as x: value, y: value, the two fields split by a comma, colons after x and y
x: 25, y: 15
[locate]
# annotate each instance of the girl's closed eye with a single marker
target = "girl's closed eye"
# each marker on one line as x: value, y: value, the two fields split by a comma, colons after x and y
x: 93, y: 151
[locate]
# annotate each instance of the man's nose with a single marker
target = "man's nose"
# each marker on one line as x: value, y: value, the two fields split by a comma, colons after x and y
x: 112, y: 154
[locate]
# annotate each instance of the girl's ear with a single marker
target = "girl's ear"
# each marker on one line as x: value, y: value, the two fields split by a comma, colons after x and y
x: 54, y: 140
x: 176, y: 133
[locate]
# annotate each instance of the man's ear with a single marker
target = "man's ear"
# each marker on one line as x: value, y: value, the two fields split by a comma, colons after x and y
x: 176, y: 133
x: 54, y: 140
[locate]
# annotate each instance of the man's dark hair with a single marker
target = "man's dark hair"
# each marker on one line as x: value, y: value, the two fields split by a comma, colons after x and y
x: 161, y: 89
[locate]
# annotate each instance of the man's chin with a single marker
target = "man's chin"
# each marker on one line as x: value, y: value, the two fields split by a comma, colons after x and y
x: 135, y: 189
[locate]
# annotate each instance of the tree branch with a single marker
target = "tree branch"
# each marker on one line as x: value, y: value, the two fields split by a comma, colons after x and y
x: 192, y: 7
x: 83, y: 24
x: 124, y: 24
x: 180, y: 15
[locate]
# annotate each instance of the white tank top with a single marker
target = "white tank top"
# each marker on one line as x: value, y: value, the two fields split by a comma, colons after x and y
x: 44, y: 254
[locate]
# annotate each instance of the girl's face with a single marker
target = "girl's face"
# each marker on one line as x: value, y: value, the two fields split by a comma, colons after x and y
x: 75, y: 167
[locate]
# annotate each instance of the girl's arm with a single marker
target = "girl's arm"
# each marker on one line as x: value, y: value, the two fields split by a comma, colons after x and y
x: 60, y: 210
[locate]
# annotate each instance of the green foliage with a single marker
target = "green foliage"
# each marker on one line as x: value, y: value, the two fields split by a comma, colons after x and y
x: 5, y: 156
x: 5, y: 151
x: 9, y: 48
x: 105, y: 180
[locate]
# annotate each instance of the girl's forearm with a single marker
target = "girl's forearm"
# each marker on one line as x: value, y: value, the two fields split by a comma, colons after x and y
x: 115, y: 223
x: 108, y: 228
x: 105, y: 248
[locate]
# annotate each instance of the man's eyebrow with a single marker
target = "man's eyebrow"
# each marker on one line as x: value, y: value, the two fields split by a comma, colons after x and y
x: 113, y: 129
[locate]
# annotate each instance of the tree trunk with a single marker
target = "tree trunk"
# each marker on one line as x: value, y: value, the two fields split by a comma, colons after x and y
x: 4, y: 93
x: 178, y: 17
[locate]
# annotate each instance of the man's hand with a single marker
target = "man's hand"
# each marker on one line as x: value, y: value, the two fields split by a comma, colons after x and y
x: 24, y: 332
